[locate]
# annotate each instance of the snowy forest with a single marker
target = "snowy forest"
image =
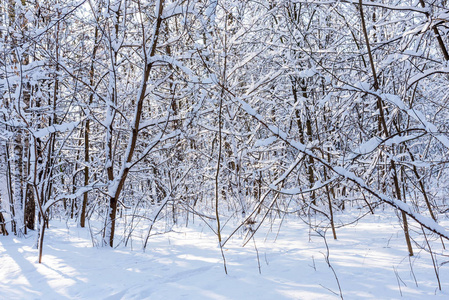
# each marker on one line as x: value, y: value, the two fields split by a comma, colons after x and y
x: 125, y: 121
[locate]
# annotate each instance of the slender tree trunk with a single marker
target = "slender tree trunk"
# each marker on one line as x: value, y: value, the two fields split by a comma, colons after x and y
x: 41, y: 237
x: 3, y: 230
x: 441, y: 43
x: 18, y: 181
x: 118, y: 183
x: 87, y: 132
x: 383, y: 125
x: 9, y: 181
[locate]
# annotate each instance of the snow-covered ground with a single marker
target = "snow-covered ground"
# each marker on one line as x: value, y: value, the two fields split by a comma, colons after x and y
x: 369, y: 258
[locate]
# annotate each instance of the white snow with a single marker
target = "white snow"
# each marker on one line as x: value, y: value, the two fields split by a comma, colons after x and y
x: 55, y: 128
x: 265, y: 142
x: 370, y: 260
x: 368, y: 146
